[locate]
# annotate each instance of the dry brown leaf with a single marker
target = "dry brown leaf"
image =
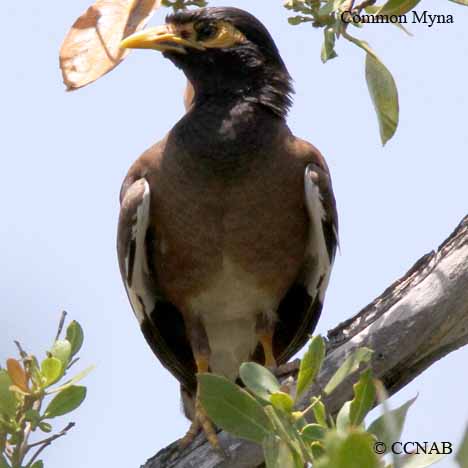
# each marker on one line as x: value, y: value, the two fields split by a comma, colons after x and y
x: 91, y: 47
x: 17, y: 374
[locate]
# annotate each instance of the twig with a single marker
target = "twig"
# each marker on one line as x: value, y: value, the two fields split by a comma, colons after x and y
x: 74, y: 361
x: 24, y: 447
x: 46, y: 442
x: 61, y: 323
x: 364, y: 4
x: 22, y: 352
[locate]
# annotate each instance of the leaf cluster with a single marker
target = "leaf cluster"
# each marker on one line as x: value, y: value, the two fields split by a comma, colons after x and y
x: 181, y: 4
x: 89, y: 53
x: 335, y: 17
x: 33, y: 393
x: 266, y: 412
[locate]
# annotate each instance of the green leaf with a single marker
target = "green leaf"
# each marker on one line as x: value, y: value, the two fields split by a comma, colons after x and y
x: 310, y: 365
x: 52, y: 370
x: 287, y: 432
x: 33, y: 417
x: 259, y: 380
x: 388, y: 427
x: 3, y: 463
x: 398, y: 7
x: 75, y: 336
x: 282, y: 401
x: 320, y: 413
x: 328, y: 47
x: 361, y: 44
x: 72, y: 381
x: 313, y: 432
x: 182, y: 4
x: 295, y: 20
x: 343, y: 418
x: 38, y: 464
x: 349, y: 366
x: 355, y: 450
x: 462, y: 454
x: 277, y: 453
x: 364, y: 398
x: 35, y: 371
x: 384, y: 94
x: 300, y: 6
x: 329, y: 7
x: 373, y: 9
x: 422, y: 460
x: 66, y: 401
x: 382, y: 89
x: 232, y: 408
x: 317, y: 449
x: 7, y: 398
x: 14, y: 439
x: 62, y: 350
x: 45, y: 426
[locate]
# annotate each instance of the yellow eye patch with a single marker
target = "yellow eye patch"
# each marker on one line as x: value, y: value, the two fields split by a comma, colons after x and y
x: 213, y: 35
x: 226, y: 36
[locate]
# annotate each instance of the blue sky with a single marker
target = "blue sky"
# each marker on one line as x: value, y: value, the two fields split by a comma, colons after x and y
x: 64, y: 156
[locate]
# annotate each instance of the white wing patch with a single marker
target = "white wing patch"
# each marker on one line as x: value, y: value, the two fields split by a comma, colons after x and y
x: 136, y: 262
x: 319, y: 267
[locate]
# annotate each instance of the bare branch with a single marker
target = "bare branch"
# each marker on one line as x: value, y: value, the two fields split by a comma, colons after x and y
x: 61, y: 323
x: 21, y: 351
x: 46, y: 442
x: 74, y: 361
x: 417, y: 320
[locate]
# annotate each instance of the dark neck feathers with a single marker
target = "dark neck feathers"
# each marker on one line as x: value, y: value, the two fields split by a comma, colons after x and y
x: 229, y: 130
x: 270, y: 90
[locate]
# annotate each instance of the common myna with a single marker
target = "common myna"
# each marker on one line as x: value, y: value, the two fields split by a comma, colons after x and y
x: 228, y: 225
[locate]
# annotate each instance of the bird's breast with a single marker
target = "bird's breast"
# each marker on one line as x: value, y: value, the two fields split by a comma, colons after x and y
x: 228, y: 248
x: 231, y: 293
x: 239, y: 237
x: 228, y: 307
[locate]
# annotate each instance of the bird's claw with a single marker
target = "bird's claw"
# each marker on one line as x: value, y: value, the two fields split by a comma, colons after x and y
x: 201, y: 422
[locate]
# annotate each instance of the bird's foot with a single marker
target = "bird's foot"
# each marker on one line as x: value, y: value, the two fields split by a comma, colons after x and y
x: 266, y: 340
x: 201, y: 422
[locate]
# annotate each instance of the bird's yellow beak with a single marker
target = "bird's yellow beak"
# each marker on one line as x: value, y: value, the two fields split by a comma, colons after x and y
x: 163, y: 38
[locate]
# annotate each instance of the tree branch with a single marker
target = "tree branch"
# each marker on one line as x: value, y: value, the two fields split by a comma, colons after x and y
x: 417, y: 320
x: 46, y: 442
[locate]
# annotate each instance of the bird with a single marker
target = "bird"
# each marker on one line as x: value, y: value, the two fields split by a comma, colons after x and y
x: 228, y: 225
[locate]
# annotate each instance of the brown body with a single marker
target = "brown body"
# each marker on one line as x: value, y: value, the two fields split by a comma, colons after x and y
x: 255, y: 214
x: 228, y: 226
x: 250, y: 210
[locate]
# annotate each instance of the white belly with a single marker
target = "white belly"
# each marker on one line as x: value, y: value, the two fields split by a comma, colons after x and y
x: 229, y: 309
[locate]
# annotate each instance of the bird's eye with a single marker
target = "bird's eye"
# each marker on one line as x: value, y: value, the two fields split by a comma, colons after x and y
x: 205, y: 30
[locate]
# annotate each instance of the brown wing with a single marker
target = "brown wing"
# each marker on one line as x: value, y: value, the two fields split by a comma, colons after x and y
x: 160, y: 321
x: 300, y: 309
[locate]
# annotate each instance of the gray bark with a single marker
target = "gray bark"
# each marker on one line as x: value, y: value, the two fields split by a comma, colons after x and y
x: 417, y: 320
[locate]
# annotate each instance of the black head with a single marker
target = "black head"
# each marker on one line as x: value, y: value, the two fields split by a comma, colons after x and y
x: 222, y: 51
